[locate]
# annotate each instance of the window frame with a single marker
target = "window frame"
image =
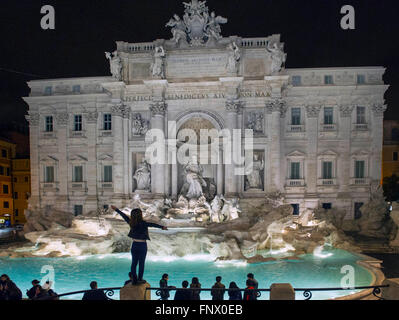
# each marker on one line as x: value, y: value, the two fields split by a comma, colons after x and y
x: 77, y: 123
x: 49, y: 125
x: 107, y: 122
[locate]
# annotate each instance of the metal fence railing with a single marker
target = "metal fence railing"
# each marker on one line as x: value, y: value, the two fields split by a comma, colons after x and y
x: 307, y: 292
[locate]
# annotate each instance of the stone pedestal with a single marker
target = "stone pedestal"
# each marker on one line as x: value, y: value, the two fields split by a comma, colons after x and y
x: 135, y: 292
x: 282, y: 291
x: 392, y: 292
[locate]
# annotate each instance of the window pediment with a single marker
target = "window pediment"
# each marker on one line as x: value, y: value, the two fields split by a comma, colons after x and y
x: 77, y: 158
x: 328, y: 153
x: 360, y: 153
x: 49, y: 158
x: 297, y: 154
x: 106, y: 157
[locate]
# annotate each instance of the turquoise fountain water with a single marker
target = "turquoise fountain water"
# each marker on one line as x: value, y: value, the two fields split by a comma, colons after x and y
x: 74, y: 274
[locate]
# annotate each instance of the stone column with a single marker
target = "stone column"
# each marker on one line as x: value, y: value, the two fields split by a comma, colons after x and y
x: 34, y: 119
x: 344, y: 136
x: 91, y: 167
x: 219, y: 184
x: 233, y: 107
x: 158, y: 170
x: 119, y: 113
x: 62, y: 136
x: 375, y: 162
x: 277, y: 108
x: 312, y: 122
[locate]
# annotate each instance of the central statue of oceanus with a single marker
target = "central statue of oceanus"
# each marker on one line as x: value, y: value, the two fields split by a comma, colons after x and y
x: 194, y: 182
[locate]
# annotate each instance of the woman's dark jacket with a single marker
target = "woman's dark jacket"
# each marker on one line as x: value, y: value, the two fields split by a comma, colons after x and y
x: 195, y: 293
x: 139, y: 232
x: 234, y: 294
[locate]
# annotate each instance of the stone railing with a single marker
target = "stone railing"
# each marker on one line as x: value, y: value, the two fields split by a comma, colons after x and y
x: 135, y: 47
x: 295, y: 182
x: 328, y: 127
x: 326, y: 182
x: 359, y: 181
x: 254, y: 42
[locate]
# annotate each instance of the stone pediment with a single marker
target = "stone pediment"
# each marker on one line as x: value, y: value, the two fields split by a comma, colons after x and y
x: 328, y: 153
x: 49, y: 158
x: 77, y: 158
x: 106, y: 157
x: 360, y: 153
x: 296, y: 153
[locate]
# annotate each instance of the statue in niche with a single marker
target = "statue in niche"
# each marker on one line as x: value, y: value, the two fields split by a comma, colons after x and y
x: 143, y: 176
x: 254, y: 178
x: 277, y: 56
x: 234, y: 57
x: 115, y: 64
x: 178, y: 29
x: 192, y: 188
x: 158, y: 66
x: 140, y: 126
x: 255, y: 122
x: 213, y: 29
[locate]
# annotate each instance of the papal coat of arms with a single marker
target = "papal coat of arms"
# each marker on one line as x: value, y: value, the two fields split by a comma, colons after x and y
x: 197, y: 27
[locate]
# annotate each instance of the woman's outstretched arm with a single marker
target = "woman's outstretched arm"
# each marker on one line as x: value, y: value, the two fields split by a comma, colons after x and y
x: 155, y: 225
x: 124, y: 216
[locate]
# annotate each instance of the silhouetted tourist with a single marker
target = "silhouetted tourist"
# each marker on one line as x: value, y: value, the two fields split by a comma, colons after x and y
x: 163, y: 283
x: 234, y: 292
x: 32, y: 291
x: 251, y: 277
x: 130, y: 279
x: 139, y: 234
x: 196, y: 286
x: 182, y: 294
x: 47, y: 287
x: 250, y: 292
x: 42, y: 294
x: 94, y: 293
x: 8, y: 289
x: 217, y: 291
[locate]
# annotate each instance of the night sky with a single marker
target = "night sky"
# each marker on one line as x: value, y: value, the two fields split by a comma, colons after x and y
x: 85, y: 29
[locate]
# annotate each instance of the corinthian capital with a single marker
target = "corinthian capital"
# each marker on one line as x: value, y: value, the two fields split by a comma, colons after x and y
x: 234, y: 105
x: 345, y: 110
x: 158, y: 108
x: 33, y: 119
x: 120, y: 110
x: 62, y: 118
x: 378, y: 109
x: 277, y: 105
x: 312, y: 111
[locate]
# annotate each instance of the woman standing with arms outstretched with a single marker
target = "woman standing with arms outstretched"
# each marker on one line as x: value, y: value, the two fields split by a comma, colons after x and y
x: 139, y: 234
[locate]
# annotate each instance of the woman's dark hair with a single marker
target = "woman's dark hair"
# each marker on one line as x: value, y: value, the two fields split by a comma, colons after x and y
x: 233, y: 285
x: 165, y: 275
x: 195, y: 280
x: 136, y: 216
x: 5, y: 276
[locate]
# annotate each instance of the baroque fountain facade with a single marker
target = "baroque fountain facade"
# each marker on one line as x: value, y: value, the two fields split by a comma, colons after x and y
x: 253, y: 155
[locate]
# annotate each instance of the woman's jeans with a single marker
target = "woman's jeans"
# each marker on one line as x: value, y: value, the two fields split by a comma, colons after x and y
x: 139, y: 252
